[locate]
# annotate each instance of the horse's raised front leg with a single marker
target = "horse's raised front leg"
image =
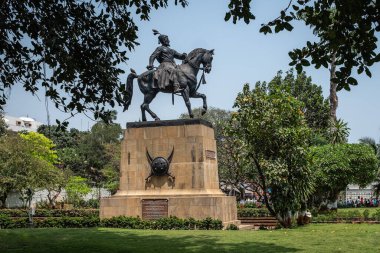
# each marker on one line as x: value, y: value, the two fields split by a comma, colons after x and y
x: 145, y: 106
x: 185, y: 95
x: 203, y: 96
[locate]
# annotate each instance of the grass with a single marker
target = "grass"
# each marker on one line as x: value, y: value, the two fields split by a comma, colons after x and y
x: 312, y: 238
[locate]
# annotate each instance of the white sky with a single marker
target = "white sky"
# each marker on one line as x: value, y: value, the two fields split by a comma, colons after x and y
x: 242, y: 55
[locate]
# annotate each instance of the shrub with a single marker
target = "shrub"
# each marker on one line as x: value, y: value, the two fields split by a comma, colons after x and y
x: 366, y: 214
x: 86, y: 221
x: 51, y: 212
x: 253, y: 212
x: 376, y: 215
x: 232, y: 227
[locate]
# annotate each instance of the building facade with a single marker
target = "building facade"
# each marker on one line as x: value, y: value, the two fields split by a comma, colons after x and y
x: 18, y: 124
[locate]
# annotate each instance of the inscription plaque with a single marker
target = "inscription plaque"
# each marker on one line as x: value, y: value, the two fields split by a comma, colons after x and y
x: 153, y: 209
x: 210, y: 154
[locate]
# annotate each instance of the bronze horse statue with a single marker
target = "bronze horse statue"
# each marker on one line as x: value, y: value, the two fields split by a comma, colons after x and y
x: 187, y: 77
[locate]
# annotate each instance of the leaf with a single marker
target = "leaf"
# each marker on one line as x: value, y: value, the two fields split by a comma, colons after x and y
x: 278, y: 28
x: 368, y: 72
x: 299, y: 68
x: 352, y: 81
x: 228, y: 16
x: 305, y: 62
x: 288, y: 27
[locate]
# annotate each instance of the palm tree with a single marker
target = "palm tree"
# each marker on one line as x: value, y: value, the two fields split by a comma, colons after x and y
x: 339, y: 131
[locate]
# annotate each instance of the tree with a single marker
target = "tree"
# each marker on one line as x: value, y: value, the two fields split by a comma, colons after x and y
x: 79, y: 41
x: 92, y: 151
x: 338, y: 131
x: 82, y: 43
x: 3, y: 125
x: 336, y: 166
x: 315, y: 107
x: 76, y: 189
x: 372, y: 143
x: 347, y: 32
x: 272, y: 128
x: 43, y: 147
x: 21, y: 169
x: 111, y: 169
x: 46, y: 175
x: 60, y: 137
x: 376, y: 149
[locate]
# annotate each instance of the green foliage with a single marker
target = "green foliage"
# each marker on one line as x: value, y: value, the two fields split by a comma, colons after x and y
x: 111, y: 170
x: 169, y: 223
x: 347, y: 30
x: 253, y: 212
x: 61, y: 138
x: 3, y: 125
x: 336, y: 166
x: 99, y: 152
x: 315, y: 107
x: 216, y: 116
x: 81, y: 42
x: 43, y: 148
x: 376, y: 215
x: 51, y: 212
x: 271, y: 126
x: 26, y: 164
x: 338, y: 131
x: 347, y: 216
x: 232, y: 227
x: 76, y: 189
x: 366, y: 214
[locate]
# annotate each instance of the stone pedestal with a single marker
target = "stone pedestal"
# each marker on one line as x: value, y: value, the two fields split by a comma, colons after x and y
x: 195, y: 190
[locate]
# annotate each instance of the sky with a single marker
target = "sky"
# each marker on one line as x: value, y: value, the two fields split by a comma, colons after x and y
x: 242, y: 55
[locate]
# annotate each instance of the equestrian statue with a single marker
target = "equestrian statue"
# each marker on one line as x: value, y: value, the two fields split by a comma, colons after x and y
x: 171, y: 78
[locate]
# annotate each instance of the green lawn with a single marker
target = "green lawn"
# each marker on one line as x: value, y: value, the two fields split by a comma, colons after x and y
x: 313, y: 238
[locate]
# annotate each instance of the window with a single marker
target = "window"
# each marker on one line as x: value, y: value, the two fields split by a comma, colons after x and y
x: 18, y: 123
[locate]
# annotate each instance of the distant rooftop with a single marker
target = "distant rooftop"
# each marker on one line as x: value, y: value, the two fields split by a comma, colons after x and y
x: 18, y: 124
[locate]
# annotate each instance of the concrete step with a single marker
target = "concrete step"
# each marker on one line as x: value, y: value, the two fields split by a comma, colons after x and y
x: 246, y: 227
x: 257, y: 218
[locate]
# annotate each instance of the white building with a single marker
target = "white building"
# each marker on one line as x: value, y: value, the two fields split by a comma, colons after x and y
x: 21, y: 123
x: 354, y: 192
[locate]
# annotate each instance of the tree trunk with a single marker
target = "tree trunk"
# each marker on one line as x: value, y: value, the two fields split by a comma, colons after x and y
x: 53, y: 197
x: 333, y: 86
x: 285, y: 220
x: 3, y: 198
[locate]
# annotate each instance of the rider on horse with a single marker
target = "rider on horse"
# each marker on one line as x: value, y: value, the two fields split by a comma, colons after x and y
x: 167, y: 72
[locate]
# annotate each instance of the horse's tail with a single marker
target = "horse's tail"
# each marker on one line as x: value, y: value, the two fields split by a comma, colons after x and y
x: 129, y: 89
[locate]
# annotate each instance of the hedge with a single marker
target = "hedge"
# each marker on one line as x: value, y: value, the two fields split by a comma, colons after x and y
x: 51, y: 212
x: 253, y: 212
x: 172, y: 222
x: 346, y: 216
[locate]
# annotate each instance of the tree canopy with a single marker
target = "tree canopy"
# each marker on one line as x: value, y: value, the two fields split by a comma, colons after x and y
x: 24, y: 169
x: 336, y: 166
x: 347, y: 30
x: 315, y: 107
x: 72, y: 49
x: 275, y: 136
